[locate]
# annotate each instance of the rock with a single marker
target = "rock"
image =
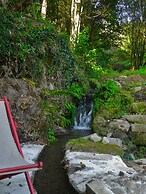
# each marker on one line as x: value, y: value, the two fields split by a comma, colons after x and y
x: 135, y: 184
x: 134, y: 165
x: 139, y: 138
x: 121, y: 135
x: 118, y: 84
x: 26, y: 105
x: 115, y: 141
x: 119, y: 124
x: 137, y: 89
x: 139, y: 107
x: 138, y: 128
x: 141, y: 162
x: 60, y: 131
x: 101, y: 121
x: 140, y: 96
x: 135, y: 118
x: 98, y: 122
x: 94, y: 137
x: 136, y: 78
x: 105, y: 140
x: 12, y: 93
x: 99, y: 125
x: 97, y: 187
x: 51, y: 86
x: 104, y: 174
x: 97, y: 166
x: 122, y: 78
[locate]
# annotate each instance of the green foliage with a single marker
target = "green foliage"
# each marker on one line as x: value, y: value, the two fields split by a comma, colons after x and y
x: 120, y: 60
x: 102, y: 57
x: 140, y: 71
x: 94, y: 70
x: 134, y: 29
x: 139, y: 108
x: 76, y: 91
x: 31, y: 46
x: 70, y: 112
x: 107, y: 89
x: 51, y: 136
x: 65, y: 122
x: 59, y: 108
x: 111, y: 101
x: 91, y: 60
x: 58, y: 12
x: 61, y: 112
x: 142, y: 152
x: 82, y: 44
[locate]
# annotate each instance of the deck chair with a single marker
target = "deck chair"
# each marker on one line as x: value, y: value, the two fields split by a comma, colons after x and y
x: 12, y: 161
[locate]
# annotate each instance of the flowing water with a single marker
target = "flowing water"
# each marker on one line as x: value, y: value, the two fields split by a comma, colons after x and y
x: 53, y: 179
x: 83, y: 116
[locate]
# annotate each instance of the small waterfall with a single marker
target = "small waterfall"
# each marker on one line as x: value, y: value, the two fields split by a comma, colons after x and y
x: 83, y: 117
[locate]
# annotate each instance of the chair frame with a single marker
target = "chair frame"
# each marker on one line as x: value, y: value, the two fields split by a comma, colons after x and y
x: 8, y: 172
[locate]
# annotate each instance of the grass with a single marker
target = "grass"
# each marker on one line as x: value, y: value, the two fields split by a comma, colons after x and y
x: 141, y: 71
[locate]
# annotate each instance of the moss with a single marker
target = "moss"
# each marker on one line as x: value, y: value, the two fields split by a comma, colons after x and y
x: 139, y: 108
x: 86, y: 145
x: 99, y: 125
x: 102, y: 131
x: 139, y: 139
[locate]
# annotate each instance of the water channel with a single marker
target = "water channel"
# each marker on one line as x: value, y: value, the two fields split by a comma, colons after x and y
x: 53, y: 179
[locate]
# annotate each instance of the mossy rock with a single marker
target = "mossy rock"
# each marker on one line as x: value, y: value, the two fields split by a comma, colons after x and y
x: 85, y: 145
x: 109, y: 112
x: 99, y: 126
x: 101, y: 131
x: 139, y: 139
x: 139, y: 108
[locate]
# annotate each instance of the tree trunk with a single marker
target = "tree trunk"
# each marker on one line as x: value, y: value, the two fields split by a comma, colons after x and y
x: 76, y: 10
x: 4, y: 1
x: 137, y: 44
x: 44, y: 9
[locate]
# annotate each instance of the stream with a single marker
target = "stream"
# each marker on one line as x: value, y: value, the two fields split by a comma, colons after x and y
x: 53, y: 179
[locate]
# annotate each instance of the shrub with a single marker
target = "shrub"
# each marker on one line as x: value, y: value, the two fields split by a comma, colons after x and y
x: 31, y: 47
x: 111, y: 101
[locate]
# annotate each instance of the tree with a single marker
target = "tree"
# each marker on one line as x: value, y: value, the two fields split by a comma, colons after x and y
x: 58, y: 12
x: 76, y: 10
x: 44, y: 9
x: 138, y: 32
x: 4, y: 2
x: 133, y: 14
x: 100, y: 17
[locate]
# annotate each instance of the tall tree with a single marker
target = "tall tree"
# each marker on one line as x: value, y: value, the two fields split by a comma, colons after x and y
x: 44, y: 9
x: 58, y: 12
x: 100, y: 17
x: 133, y: 14
x: 4, y: 2
x: 76, y: 10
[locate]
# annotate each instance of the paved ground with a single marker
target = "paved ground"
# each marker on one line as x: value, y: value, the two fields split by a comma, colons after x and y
x: 17, y: 184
